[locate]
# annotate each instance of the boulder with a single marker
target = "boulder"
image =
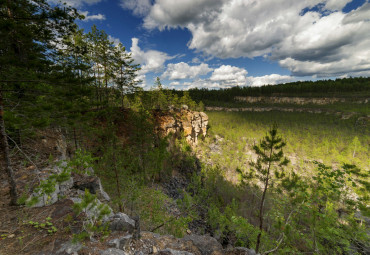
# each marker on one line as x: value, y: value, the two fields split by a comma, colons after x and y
x: 113, y: 251
x: 69, y: 248
x: 173, y: 252
x: 240, y: 251
x: 120, y: 243
x: 207, y: 245
x: 121, y: 222
x: 92, y: 183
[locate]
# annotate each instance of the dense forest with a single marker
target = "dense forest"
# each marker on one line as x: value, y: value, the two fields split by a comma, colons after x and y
x: 321, y: 88
x: 57, y: 78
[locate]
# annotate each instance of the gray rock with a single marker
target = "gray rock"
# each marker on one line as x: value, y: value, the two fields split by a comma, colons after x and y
x: 92, y: 212
x: 124, y: 241
x: 114, y: 243
x: 64, y: 187
x: 113, y: 251
x: 45, y: 199
x: 206, y: 244
x: 121, y: 222
x: 83, y: 182
x: 173, y: 252
x: 69, y: 248
x: 243, y: 251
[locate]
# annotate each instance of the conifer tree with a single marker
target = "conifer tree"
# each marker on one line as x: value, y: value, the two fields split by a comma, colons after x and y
x: 268, y: 167
x: 125, y: 72
x: 29, y: 33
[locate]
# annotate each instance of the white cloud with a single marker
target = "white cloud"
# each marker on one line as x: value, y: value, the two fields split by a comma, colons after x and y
x: 236, y: 76
x: 336, y: 5
x: 362, y: 14
x: 92, y: 17
x: 202, y: 83
x: 184, y: 71
x: 151, y: 60
x: 75, y: 3
x: 138, y: 7
x: 289, y: 31
x: 195, y: 60
x: 115, y: 40
x: 174, y: 83
x: 169, y: 13
x: 227, y: 75
x: 335, y: 45
x: 271, y: 79
x: 142, y: 79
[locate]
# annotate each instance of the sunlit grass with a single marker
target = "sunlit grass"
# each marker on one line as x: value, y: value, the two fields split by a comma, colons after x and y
x: 321, y: 137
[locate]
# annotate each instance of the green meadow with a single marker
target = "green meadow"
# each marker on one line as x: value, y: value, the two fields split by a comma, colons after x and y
x: 325, y: 138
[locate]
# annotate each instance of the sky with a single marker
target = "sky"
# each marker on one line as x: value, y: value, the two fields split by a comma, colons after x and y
x: 225, y: 43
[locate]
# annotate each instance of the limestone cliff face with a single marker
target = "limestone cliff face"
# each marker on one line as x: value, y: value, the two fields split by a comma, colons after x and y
x: 192, y: 124
x: 300, y: 100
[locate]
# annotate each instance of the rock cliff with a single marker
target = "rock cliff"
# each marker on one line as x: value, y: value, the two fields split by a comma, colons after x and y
x: 191, y: 124
x: 300, y: 100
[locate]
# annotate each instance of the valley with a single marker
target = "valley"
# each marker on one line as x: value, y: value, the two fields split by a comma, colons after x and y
x: 153, y: 148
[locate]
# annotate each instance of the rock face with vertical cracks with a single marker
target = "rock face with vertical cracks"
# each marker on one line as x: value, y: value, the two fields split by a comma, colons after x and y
x: 180, y: 122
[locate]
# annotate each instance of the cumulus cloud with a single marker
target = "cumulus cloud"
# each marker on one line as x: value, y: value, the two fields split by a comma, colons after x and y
x: 174, y: 83
x: 184, y: 71
x: 300, y: 37
x: 142, y: 82
x: 138, y: 7
x: 271, y: 79
x: 151, y: 60
x: 92, y: 17
x: 202, y: 83
x: 227, y: 75
x: 115, y: 40
x: 336, y: 5
x: 169, y: 13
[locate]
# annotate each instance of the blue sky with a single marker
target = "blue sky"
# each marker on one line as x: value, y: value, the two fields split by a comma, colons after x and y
x: 225, y: 43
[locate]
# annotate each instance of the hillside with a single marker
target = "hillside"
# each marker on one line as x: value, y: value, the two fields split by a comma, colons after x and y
x: 94, y: 161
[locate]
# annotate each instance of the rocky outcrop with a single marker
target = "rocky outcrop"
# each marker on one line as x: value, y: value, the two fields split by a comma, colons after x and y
x: 342, y: 115
x: 191, y: 123
x: 151, y: 243
x: 300, y: 100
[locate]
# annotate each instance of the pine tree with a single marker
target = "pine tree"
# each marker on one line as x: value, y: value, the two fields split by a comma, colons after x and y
x: 268, y: 167
x: 125, y: 72
x: 29, y: 32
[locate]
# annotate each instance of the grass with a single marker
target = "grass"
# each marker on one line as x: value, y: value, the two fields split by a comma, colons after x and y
x: 362, y: 109
x: 309, y: 137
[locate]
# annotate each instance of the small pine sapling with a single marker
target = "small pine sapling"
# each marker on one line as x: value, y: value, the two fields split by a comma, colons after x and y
x: 268, y: 167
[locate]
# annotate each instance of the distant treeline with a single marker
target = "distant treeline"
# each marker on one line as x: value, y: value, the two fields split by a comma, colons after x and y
x: 323, y: 88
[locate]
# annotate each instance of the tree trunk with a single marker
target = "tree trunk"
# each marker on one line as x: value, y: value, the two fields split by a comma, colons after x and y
x: 262, y: 203
x: 5, y: 152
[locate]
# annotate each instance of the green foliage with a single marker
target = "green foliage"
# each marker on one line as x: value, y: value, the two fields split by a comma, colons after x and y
x: 47, y: 187
x: 93, y: 213
x: 152, y: 207
x: 47, y: 225
x: 325, y: 217
x: 267, y: 169
x: 314, y: 211
x: 308, y: 137
x: 81, y: 163
x: 22, y: 199
x: 324, y: 88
